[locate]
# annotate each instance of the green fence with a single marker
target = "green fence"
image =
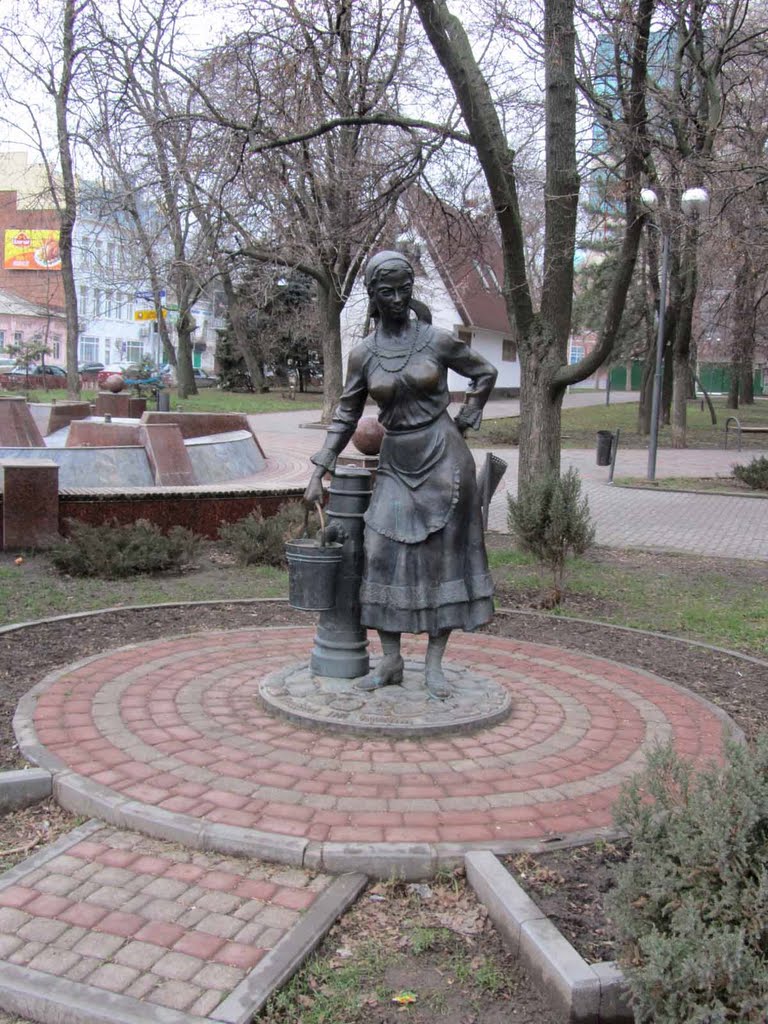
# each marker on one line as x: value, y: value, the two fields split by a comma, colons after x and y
x: 716, y: 378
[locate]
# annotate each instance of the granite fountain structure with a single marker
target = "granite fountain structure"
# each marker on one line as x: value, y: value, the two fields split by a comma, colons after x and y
x: 119, y: 460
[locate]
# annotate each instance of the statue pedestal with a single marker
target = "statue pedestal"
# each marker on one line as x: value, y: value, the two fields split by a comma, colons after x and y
x: 408, y: 710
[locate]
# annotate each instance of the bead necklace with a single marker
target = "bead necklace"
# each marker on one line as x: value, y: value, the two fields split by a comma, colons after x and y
x: 380, y: 355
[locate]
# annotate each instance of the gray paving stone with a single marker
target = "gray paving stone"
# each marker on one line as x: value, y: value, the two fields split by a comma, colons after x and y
x: 219, y: 924
x: 162, y: 910
x: 25, y: 953
x: 69, y: 938
x: 58, y: 885
x: 85, y: 966
x: 219, y: 976
x: 219, y: 902
x: 53, y: 961
x: 165, y: 888
x: 111, y: 896
x: 141, y: 955
x: 142, y: 986
x: 41, y: 929
x: 99, y: 945
x: 207, y: 1002
x: 178, y: 995
x: 13, y: 920
x: 113, y: 977
x: 177, y: 966
x: 9, y: 944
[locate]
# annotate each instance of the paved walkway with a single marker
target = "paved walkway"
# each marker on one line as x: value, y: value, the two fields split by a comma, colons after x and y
x: 702, y: 524
x: 172, y: 736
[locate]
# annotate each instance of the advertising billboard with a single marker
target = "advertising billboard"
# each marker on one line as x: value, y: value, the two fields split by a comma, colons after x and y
x: 31, y: 249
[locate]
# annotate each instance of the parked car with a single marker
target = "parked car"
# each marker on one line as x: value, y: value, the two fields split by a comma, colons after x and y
x: 38, y: 371
x: 90, y: 369
x: 203, y: 379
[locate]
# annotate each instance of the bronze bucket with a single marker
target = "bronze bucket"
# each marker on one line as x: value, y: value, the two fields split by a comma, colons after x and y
x: 312, y: 569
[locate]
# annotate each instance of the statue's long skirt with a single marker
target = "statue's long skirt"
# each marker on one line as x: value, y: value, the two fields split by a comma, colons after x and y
x: 425, y: 567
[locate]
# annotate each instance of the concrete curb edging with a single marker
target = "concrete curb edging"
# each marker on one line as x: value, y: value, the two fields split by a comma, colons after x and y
x: 52, y: 1000
x: 291, y: 952
x: 24, y: 787
x: 583, y: 993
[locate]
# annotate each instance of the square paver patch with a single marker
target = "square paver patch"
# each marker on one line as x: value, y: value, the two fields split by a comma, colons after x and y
x: 151, y: 920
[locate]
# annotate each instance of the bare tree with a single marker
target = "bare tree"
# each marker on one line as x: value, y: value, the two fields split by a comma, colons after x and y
x: 543, y: 332
x: 43, y: 54
x: 303, y: 100
x: 148, y: 147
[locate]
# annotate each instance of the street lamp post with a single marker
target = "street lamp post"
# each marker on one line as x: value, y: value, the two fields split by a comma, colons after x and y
x: 692, y: 201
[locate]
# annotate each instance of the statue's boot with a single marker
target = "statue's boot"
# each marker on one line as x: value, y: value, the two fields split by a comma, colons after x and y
x: 434, y: 676
x: 389, y: 671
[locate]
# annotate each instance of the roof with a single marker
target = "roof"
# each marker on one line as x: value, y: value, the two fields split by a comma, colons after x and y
x: 468, y: 257
x: 14, y: 305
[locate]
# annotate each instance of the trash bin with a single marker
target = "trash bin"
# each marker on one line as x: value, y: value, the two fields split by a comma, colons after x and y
x: 163, y: 401
x: 604, y: 446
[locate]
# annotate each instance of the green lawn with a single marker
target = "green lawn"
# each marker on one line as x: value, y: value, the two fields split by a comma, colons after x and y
x: 208, y: 400
x: 719, y: 602
x: 580, y: 425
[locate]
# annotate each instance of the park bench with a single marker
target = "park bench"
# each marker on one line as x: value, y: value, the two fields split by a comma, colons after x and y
x: 733, y: 421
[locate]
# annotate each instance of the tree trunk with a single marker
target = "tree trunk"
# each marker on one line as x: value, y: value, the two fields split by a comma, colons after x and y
x: 185, y: 377
x: 646, y: 393
x: 237, y: 320
x: 330, y: 307
x: 539, y: 417
x: 681, y: 385
x: 747, y: 306
x: 68, y: 209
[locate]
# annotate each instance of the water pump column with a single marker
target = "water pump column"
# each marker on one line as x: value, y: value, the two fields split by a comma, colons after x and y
x: 341, y: 646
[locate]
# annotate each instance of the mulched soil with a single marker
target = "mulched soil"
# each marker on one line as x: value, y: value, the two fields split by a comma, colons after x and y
x: 569, y: 885
x: 432, y: 943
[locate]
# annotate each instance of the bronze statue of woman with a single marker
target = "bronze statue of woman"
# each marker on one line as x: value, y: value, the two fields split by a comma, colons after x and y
x: 425, y: 567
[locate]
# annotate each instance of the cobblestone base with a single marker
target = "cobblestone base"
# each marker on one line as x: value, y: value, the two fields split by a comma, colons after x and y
x: 173, y: 732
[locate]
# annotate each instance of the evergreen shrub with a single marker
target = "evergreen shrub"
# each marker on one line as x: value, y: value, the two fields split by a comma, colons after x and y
x: 691, y: 903
x: 259, y: 539
x: 551, y: 519
x: 111, y: 551
x: 755, y: 475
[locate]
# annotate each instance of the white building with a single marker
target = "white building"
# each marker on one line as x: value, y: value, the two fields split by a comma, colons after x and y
x: 463, y: 291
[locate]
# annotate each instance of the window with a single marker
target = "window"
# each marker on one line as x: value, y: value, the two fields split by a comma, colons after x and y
x: 18, y: 337
x: 465, y: 336
x: 107, y: 350
x: 481, y: 274
x: 56, y: 347
x: 84, y: 310
x: 2, y: 339
x: 509, y: 350
x: 576, y: 354
x: 111, y: 255
x: 134, y: 350
x: 88, y: 350
x: 110, y: 304
x: 98, y: 307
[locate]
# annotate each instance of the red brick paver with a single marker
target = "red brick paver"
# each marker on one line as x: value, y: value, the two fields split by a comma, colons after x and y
x: 187, y: 710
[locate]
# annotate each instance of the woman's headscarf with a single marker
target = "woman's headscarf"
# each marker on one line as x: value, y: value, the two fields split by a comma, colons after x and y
x: 383, y: 261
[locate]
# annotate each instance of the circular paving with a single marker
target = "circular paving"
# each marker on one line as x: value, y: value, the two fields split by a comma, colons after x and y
x: 173, y: 735
x: 338, y: 705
